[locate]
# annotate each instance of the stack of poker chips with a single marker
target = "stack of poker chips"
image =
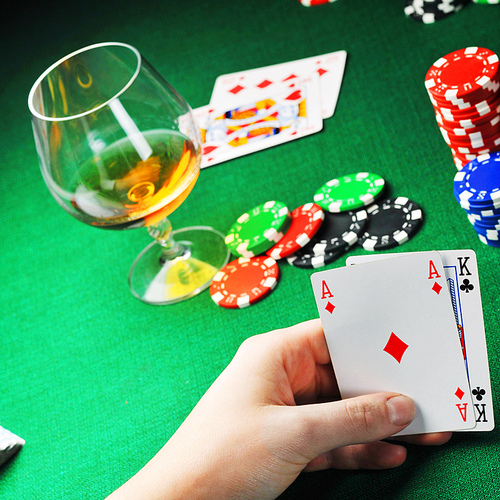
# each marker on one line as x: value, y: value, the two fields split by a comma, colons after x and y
x: 477, y: 189
x: 345, y: 211
x: 430, y: 11
x: 463, y: 87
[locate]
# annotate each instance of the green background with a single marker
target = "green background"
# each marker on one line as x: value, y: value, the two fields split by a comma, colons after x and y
x: 95, y: 380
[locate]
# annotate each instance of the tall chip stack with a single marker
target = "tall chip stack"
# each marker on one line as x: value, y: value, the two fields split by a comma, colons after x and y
x: 477, y: 189
x: 463, y: 87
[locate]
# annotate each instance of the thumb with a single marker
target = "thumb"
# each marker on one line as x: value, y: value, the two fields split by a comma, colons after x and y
x: 326, y: 426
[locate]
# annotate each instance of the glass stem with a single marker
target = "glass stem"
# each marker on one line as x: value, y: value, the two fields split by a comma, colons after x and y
x: 162, y: 233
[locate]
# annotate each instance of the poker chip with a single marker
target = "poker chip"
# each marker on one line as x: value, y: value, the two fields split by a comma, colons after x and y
x: 478, y: 183
x: 258, y: 230
x: 306, y: 221
x: 312, y: 3
x: 486, y: 241
x: 480, y: 226
x: 391, y: 223
x: 307, y: 260
x: 488, y: 220
x: 477, y: 189
x: 464, y: 75
x: 244, y: 281
x: 464, y: 89
x: 338, y: 232
x: 430, y: 11
x: 349, y: 192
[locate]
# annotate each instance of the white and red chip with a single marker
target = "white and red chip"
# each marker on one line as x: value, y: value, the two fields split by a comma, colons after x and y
x: 244, y: 281
x: 312, y: 3
x: 463, y: 87
x: 306, y: 221
x: 463, y: 76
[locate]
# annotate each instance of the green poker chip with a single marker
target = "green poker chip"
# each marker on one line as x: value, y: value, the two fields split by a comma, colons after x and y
x: 349, y: 192
x: 258, y: 230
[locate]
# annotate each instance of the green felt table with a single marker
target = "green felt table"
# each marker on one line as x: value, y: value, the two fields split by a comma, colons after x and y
x: 96, y: 381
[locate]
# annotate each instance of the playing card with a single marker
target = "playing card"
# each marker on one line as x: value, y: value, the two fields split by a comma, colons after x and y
x: 460, y: 267
x: 230, y: 133
x: 10, y: 444
x: 233, y: 89
x: 390, y: 326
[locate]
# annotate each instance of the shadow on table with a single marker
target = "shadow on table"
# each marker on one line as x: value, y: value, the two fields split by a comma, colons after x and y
x: 426, y: 470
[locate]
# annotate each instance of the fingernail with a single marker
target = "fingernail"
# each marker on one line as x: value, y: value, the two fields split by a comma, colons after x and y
x: 401, y: 410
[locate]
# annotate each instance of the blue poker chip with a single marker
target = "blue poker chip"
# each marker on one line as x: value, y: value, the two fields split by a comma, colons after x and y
x: 487, y: 241
x: 482, y: 224
x: 484, y: 213
x: 490, y: 234
x: 477, y: 185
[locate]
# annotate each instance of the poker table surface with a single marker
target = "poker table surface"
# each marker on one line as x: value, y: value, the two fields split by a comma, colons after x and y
x: 95, y: 380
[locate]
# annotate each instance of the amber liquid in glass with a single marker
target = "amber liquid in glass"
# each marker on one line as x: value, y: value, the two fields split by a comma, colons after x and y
x: 118, y: 189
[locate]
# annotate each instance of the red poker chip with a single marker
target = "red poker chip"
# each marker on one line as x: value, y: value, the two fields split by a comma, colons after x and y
x: 485, y: 132
x: 312, y: 3
x: 464, y: 106
x: 472, y: 140
x: 306, y: 221
x: 466, y: 74
x: 244, y: 281
x: 478, y: 109
x: 470, y: 153
x: 474, y: 121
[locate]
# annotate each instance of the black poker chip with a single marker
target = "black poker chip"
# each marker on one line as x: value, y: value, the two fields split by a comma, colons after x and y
x: 430, y: 11
x: 306, y: 260
x: 339, y: 231
x: 390, y: 223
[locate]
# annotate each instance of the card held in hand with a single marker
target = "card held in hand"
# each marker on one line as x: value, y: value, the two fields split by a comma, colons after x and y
x: 390, y: 326
x: 462, y: 279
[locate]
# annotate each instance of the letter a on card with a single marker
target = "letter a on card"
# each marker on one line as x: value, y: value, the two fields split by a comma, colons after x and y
x: 325, y: 291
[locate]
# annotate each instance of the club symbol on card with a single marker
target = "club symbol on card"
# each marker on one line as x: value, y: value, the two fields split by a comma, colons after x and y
x: 436, y: 287
x: 330, y: 307
x: 395, y: 347
x: 478, y: 393
x: 466, y: 286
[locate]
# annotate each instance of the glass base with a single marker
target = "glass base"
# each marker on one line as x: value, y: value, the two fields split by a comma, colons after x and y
x: 157, y: 279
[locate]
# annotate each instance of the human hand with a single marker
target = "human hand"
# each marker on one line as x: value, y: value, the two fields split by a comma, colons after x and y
x: 273, y: 413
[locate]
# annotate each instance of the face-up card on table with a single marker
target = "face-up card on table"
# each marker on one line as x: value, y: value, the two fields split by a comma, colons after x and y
x: 237, y: 88
x: 292, y: 113
x: 389, y: 326
x: 462, y: 279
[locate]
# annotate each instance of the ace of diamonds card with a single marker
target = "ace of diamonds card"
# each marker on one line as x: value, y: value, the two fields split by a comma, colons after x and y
x: 462, y: 279
x: 390, y: 326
